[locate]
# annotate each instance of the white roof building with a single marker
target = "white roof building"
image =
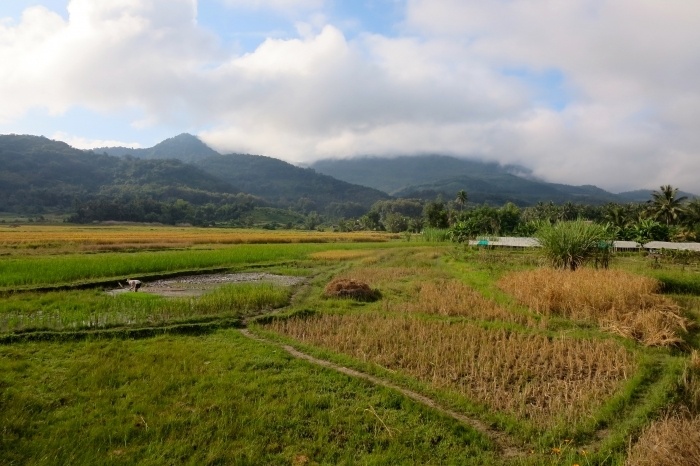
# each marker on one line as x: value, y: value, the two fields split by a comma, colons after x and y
x: 506, y: 242
x: 618, y: 245
x: 668, y: 245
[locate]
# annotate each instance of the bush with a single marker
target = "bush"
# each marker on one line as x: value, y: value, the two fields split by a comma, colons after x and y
x: 569, y: 245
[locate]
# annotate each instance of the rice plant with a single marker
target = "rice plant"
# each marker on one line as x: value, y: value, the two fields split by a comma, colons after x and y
x: 542, y: 380
x: 436, y: 235
x: 618, y: 301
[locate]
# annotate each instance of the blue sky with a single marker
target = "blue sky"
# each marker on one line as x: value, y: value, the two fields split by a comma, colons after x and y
x: 598, y: 92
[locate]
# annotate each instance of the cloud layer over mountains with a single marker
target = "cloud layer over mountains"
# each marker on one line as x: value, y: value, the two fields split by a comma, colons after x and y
x: 603, y: 92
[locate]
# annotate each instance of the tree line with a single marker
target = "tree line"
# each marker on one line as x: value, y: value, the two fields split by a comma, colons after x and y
x: 666, y: 216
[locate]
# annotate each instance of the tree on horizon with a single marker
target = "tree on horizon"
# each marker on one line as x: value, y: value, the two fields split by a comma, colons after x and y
x: 462, y: 199
x: 665, y: 205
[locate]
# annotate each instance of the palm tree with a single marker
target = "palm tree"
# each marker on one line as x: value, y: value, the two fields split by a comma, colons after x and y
x: 692, y: 213
x: 462, y: 198
x: 665, y: 205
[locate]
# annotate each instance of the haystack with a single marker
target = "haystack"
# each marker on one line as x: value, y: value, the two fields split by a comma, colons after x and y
x: 349, y: 288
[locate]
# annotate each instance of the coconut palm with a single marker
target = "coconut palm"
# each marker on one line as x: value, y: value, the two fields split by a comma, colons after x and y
x: 665, y: 205
x: 462, y: 199
x: 692, y: 213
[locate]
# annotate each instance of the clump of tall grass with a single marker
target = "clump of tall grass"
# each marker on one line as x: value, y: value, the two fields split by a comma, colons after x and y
x: 569, y: 245
x: 543, y: 380
x: 672, y: 441
x: 618, y: 301
x: 454, y: 298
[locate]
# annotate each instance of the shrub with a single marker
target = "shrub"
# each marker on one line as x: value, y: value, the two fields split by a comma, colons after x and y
x: 569, y: 245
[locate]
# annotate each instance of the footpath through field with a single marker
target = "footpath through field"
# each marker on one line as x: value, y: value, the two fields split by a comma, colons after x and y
x: 508, y: 448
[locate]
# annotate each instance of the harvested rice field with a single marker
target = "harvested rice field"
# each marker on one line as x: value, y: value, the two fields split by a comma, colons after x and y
x: 254, y: 348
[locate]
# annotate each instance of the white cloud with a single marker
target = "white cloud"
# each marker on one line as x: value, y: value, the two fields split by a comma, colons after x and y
x: 80, y: 142
x: 106, y: 55
x: 458, y: 79
x: 631, y: 67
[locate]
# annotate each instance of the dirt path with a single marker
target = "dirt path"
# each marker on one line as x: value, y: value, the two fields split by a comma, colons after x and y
x: 508, y: 448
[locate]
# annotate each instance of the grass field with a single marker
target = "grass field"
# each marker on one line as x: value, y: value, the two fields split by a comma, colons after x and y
x: 592, y: 367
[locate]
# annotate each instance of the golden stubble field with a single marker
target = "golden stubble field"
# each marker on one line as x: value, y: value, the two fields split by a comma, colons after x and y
x: 96, y: 238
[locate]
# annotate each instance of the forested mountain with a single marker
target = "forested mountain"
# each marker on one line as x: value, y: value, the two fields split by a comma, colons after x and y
x: 499, y: 188
x: 183, y: 147
x: 37, y: 173
x: 432, y: 175
x: 392, y: 175
x: 284, y: 184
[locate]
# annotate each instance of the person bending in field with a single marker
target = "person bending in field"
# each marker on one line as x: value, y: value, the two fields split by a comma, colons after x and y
x: 134, y: 285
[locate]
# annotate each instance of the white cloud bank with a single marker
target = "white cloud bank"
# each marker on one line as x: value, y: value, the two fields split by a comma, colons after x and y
x: 457, y: 80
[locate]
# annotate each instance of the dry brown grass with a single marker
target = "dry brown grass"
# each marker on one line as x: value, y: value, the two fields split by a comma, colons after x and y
x: 690, y: 383
x: 138, y: 236
x: 673, y: 441
x: 339, y: 255
x: 353, y: 289
x: 454, y: 298
x: 381, y: 275
x: 537, y: 378
x: 618, y: 301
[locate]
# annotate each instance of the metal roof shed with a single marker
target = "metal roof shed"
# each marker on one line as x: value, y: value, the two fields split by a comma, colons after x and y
x: 656, y: 245
x: 506, y: 242
x: 626, y: 245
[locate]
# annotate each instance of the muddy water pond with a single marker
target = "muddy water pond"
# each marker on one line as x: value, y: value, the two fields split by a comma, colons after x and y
x: 196, y: 285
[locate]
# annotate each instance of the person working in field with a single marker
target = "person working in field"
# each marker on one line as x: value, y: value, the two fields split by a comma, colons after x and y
x: 134, y: 285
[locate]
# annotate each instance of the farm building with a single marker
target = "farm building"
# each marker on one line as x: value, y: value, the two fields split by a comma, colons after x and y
x: 505, y: 242
x: 626, y: 246
x: 659, y: 245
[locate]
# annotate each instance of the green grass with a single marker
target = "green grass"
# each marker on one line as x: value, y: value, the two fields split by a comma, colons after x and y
x: 204, y: 394
x: 94, y: 309
x: 218, y: 399
x: 435, y: 235
x: 27, y: 272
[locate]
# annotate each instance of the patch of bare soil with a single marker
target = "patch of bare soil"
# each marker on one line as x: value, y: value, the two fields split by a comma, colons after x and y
x: 196, y: 285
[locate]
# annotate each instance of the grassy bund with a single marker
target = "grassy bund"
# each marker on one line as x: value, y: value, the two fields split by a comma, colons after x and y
x: 467, y: 357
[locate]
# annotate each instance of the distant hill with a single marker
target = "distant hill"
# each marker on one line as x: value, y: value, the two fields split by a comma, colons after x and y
x: 279, y: 182
x: 37, y: 173
x: 393, y: 175
x: 498, y: 189
x: 643, y: 195
x: 432, y: 175
x: 185, y: 147
x: 282, y: 183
